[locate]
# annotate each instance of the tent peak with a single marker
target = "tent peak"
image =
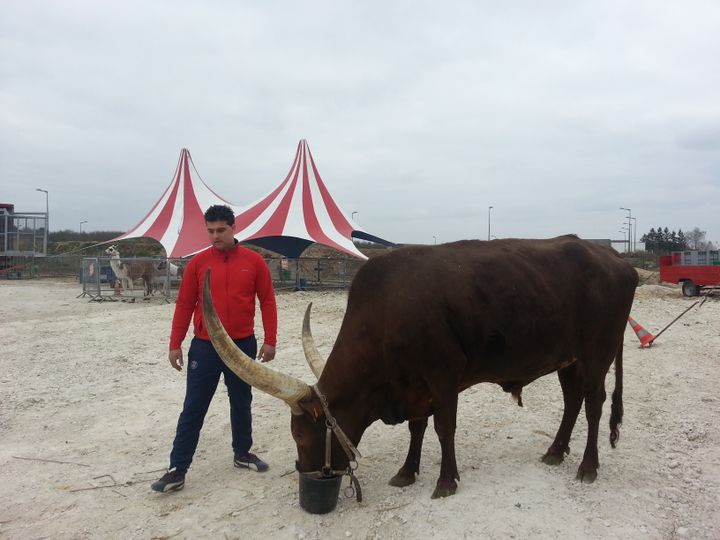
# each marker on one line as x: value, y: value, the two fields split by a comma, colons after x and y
x: 300, y: 211
x: 177, y: 219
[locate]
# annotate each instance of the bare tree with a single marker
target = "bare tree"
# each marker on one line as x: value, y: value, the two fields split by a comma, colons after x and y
x: 696, y: 238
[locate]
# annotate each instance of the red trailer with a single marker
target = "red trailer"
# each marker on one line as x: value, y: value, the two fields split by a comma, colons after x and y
x: 693, y: 270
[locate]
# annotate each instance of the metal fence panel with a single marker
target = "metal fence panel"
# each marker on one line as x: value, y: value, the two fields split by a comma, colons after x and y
x: 312, y: 272
x: 100, y: 282
x: 103, y: 278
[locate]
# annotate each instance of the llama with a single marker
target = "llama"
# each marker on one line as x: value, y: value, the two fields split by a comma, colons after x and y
x: 175, y: 270
x: 165, y: 271
x: 127, y: 273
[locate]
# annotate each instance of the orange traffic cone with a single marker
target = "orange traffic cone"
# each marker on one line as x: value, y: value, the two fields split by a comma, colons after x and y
x: 645, y: 337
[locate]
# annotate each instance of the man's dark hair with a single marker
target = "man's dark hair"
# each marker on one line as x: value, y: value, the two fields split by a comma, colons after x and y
x: 220, y: 212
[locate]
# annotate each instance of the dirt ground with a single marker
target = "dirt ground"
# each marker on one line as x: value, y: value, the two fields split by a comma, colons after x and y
x: 89, y: 405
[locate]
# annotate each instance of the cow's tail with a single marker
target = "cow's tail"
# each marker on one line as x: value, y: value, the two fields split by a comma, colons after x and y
x: 616, y: 411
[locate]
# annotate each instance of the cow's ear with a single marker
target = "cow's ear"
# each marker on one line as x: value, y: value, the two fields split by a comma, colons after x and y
x: 312, y: 407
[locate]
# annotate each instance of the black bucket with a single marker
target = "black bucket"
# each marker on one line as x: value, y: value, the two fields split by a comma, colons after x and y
x: 319, y: 494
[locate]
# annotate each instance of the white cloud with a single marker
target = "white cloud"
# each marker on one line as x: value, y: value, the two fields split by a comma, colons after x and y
x: 419, y: 115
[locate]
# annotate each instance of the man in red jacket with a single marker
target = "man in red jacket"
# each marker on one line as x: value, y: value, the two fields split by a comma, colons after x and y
x: 238, y: 276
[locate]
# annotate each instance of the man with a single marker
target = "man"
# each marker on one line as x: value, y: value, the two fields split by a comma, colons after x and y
x: 238, y: 275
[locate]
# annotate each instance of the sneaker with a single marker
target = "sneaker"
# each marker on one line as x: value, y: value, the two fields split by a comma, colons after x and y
x: 172, y: 480
x: 251, y: 461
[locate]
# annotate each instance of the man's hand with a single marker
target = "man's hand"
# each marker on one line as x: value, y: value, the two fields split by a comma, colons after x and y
x: 267, y: 353
x: 176, y: 359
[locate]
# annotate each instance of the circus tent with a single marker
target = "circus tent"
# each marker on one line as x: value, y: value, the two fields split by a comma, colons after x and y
x: 299, y: 212
x: 177, y: 219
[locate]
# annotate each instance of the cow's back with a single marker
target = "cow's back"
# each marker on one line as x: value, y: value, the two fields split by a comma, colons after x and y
x: 508, y: 306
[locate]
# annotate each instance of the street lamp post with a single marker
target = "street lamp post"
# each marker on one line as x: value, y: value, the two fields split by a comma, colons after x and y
x: 634, y: 234
x: 47, y: 219
x: 624, y: 232
x: 434, y: 240
x: 81, y: 224
x: 629, y: 223
x: 489, y: 208
x: 352, y: 216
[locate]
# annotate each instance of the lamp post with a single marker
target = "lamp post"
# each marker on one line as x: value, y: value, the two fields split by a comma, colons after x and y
x: 634, y: 234
x: 629, y: 223
x: 624, y: 232
x: 434, y: 240
x: 47, y: 219
x: 352, y: 216
x: 81, y: 224
x: 489, y: 208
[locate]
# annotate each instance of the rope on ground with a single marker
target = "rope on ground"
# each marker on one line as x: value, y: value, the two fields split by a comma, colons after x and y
x: 51, y: 461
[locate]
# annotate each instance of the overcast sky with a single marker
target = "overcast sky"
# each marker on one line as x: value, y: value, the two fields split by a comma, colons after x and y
x: 419, y: 115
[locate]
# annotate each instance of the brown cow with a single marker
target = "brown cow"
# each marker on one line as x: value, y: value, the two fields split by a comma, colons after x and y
x: 424, y: 323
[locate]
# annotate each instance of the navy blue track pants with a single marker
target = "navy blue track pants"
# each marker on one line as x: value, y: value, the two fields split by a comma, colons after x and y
x: 203, y: 374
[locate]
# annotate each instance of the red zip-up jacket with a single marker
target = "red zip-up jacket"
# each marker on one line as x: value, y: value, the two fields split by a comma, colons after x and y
x: 236, y: 277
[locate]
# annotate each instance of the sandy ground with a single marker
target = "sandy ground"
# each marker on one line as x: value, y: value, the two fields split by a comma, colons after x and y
x: 89, y: 404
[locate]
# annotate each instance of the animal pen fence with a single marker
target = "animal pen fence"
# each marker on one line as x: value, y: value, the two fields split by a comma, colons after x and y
x: 99, y: 281
x: 158, y: 279
x: 312, y: 272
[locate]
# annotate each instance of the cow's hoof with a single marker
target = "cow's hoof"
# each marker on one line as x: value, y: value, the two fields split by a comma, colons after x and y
x: 586, y: 475
x: 402, y: 479
x: 444, y: 491
x: 552, y: 459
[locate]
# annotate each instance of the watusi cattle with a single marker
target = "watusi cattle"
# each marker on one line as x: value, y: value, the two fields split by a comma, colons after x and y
x: 423, y: 323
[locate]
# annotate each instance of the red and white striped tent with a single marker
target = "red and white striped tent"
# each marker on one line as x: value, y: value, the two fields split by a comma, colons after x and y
x: 177, y: 219
x: 296, y: 214
x: 299, y: 212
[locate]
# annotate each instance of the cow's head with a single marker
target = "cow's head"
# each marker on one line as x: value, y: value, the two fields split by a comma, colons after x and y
x: 309, y: 432
x: 309, y: 422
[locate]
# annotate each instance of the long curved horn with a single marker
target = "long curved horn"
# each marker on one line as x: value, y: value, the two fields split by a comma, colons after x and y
x: 312, y: 355
x: 285, y: 387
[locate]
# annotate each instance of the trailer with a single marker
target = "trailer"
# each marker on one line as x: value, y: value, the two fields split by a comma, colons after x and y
x: 693, y: 270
